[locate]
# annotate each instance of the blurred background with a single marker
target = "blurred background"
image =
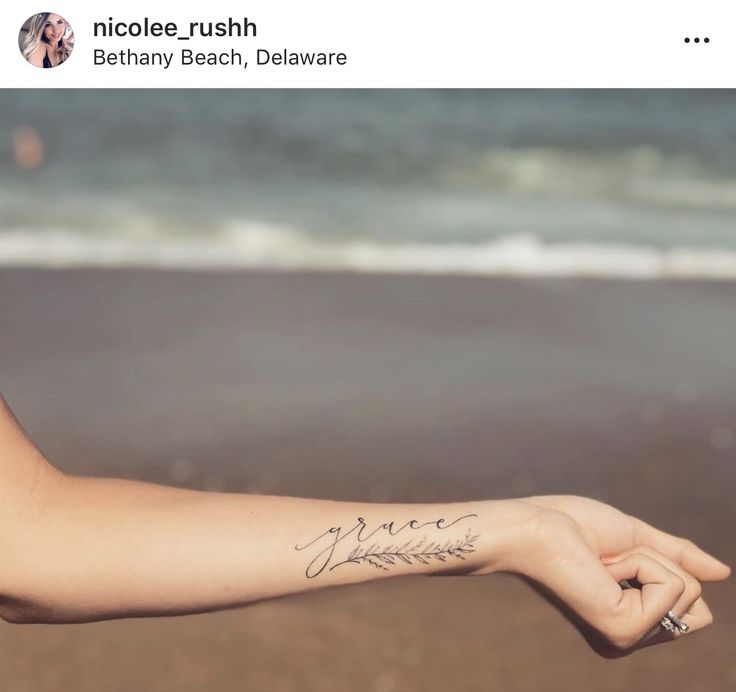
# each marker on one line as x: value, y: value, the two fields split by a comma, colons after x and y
x: 406, y: 296
x: 481, y: 181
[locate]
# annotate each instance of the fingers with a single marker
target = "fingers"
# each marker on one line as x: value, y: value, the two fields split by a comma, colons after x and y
x: 615, y: 621
x: 690, y: 607
x: 698, y: 617
x: 640, y: 611
x: 666, y: 586
x: 693, y: 559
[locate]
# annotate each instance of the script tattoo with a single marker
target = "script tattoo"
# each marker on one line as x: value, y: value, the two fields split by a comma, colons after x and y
x: 380, y: 555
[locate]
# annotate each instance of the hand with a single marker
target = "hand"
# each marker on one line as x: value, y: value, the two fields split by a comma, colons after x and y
x: 579, y: 550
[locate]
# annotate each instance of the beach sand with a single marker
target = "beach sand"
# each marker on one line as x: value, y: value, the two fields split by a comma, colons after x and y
x: 382, y: 388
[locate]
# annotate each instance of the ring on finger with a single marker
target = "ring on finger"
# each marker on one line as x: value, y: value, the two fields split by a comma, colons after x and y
x: 671, y: 622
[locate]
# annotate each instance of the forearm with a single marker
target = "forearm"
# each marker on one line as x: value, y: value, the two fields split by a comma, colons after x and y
x: 106, y: 548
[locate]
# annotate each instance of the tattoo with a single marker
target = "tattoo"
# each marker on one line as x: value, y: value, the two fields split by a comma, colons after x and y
x: 411, y: 551
x: 380, y: 556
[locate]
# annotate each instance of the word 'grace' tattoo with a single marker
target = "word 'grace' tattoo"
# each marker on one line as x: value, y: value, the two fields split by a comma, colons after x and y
x: 382, y: 555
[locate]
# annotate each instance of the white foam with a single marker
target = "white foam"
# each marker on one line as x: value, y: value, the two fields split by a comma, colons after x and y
x: 259, y: 246
x: 638, y: 175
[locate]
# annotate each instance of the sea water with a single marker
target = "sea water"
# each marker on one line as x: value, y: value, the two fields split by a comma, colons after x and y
x: 638, y: 184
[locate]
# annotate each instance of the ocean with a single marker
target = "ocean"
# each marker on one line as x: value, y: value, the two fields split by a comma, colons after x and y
x: 636, y: 184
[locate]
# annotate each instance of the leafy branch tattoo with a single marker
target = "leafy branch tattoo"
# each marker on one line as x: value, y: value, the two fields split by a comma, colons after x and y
x: 381, y: 555
x: 421, y: 551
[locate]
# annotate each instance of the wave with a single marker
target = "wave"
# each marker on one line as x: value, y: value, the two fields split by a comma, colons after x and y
x: 260, y: 246
x: 640, y: 175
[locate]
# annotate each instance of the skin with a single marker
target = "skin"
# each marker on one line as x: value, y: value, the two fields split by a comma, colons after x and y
x: 81, y: 549
x: 53, y: 31
x: 584, y: 548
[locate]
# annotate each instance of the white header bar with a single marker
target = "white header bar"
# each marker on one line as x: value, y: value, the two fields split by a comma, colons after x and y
x: 384, y: 43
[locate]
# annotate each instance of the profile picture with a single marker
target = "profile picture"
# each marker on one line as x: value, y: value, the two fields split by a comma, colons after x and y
x: 46, y: 39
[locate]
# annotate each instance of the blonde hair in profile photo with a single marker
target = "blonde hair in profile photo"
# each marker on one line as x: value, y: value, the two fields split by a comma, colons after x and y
x: 35, y: 36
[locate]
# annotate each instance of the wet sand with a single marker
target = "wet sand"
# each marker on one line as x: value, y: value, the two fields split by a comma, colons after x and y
x: 385, y: 388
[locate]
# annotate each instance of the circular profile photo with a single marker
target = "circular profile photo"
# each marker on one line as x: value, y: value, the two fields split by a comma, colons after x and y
x: 46, y: 39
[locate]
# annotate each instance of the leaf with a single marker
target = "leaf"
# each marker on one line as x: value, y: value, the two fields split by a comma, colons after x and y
x: 376, y: 564
x: 404, y: 558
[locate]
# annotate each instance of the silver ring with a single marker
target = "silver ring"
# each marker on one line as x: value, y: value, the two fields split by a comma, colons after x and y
x: 671, y: 622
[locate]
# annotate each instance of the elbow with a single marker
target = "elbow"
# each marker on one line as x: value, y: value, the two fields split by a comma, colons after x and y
x: 16, y: 613
x: 22, y: 611
x: 27, y: 583
x: 14, y: 619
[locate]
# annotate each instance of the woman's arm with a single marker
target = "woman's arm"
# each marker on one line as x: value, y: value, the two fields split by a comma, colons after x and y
x: 83, y: 549
x: 108, y: 548
x: 78, y: 549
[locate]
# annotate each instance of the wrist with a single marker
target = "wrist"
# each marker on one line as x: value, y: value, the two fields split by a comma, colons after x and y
x: 508, y: 529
